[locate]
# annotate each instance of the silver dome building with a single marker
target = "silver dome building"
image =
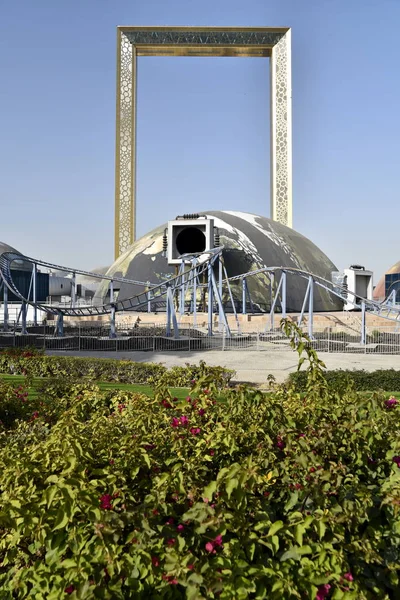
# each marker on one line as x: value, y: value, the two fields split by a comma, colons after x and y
x: 250, y: 242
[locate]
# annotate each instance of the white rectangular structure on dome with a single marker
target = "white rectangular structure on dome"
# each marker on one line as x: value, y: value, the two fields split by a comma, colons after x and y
x: 359, y: 282
x: 189, y: 236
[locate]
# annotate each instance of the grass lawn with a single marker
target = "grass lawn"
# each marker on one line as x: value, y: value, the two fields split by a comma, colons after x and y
x: 16, y: 380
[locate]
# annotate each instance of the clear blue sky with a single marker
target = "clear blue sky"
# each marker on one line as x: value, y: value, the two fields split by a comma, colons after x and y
x: 203, y: 124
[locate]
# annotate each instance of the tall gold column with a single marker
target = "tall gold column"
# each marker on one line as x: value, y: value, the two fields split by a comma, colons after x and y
x: 125, y: 170
x: 281, y: 131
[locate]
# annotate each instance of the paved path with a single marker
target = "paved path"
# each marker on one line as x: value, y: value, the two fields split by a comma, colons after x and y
x: 251, y: 366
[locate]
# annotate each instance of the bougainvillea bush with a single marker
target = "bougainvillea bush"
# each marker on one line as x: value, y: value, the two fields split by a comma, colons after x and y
x: 227, y: 494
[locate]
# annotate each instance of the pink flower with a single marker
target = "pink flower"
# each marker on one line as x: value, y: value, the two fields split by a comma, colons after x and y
x: 69, y: 589
x: 184, y: 420
x: 173, y: 582
x: 396, y: 459
x: 190, y: 567
x: 217, y: 542
x: 166, y: 404
x: 212, y: 452
x: 348, y: 576
x: 121, y: 407
x: 280, y: 443
x: 155, y: 561
x: 170, y: 521
x: 171, y: 541
x: 180, y: 528
x: 323, y: 591
x: 201, y: 411
x: 106, y: 502
x: 175, y: 422
x: 392, y: 401
x: 210, y: 547
x: 188, y: 399
x: 195, y: 430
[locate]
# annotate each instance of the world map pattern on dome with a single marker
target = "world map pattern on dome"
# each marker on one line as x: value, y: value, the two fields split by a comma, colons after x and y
x: 281, y: 160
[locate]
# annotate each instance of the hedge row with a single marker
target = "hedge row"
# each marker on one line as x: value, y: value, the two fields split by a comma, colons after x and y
x: 387, y: 380
x: 35, y: 364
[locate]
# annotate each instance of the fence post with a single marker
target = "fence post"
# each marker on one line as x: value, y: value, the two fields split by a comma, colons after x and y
x: 363, y: 323
x: 79, y: 336
x: 223, y: 338
x: 329, y: 336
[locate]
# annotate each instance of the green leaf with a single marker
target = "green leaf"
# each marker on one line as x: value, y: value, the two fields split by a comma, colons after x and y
x: 274, y: 543
x: 298, y: 534
x: 231, y: 485
x: 294, y: 496
x: 61, y: 519
x: 290, y: 554
x: 195, y: 578
x: 52, y: 479
x: 274, y: 528
x: 304, y: 550
x: 321, y: 528
x: 50, y: 493
x: 209, y: 490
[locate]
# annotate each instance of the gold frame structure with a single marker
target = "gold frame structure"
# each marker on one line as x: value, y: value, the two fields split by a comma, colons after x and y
x: 274, y: 43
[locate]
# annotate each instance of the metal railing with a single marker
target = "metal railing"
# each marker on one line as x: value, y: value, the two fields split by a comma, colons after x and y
x: 153, y: 337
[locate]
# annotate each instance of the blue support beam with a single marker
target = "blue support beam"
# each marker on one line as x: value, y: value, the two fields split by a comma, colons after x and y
x: 221, y: 311
x: 34, y: 294
x: 113, y: 332
x: 60, y: 325
x: 210, y: 299
x: 5, y: 307
x: 311, y: 309
x: 24, y: 330
x: 283, y: 294
x: 363, y: 324
x: 171, y: 314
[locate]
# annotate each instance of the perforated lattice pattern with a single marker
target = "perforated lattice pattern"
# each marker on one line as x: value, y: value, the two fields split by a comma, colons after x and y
x: 124, y: 185
x: 282, y: 149
x: 215, y: 38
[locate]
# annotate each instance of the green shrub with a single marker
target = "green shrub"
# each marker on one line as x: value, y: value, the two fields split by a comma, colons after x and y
x: 115, y: 495
x: 384, y: 379
x: 35, y: 364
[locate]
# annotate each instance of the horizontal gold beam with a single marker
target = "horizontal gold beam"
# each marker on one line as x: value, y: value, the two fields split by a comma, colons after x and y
x: 208, y: 29
x: 203, y: 50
